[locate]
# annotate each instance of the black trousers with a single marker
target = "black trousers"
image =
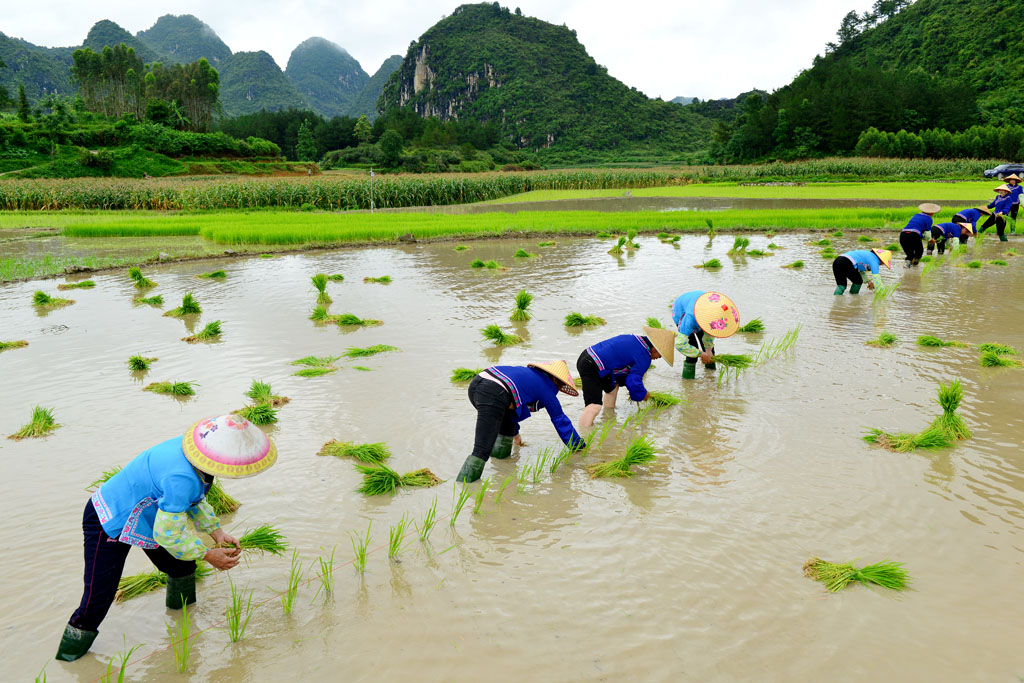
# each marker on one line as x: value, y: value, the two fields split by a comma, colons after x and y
x: 1000, y: 222
x: 912, y: 245
x: 939, y: 239
x: 594, y: 385
x: 104, y: 563
x: 843, y: 269
x: 493, y: 416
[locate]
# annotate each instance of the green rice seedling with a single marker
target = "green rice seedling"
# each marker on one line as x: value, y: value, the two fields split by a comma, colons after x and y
x: 824, y: 242
x: 320, y: 284
x: 181, y: 639
x: 828, y: 253
x: 356, y: 352
x: 990, y: 359
x: 655, y: 323
x: 10, y: 345
x: 759, y: 252
x: 522, y: 253
x: 103, y: 478
x: 214, y: 275
x: 363, y: 452
x: 662, y: 235
x: 769, y: 234
x: 238, y: 612
x: 172, y: 388
x: 84, y: 284
x: 494, y: 334
x: 901, y: 442
x: 950, y: 396
x: 476, y: 263
x: 261, y: 392
x: 464, y: 374
x: 378, y: 479
x: 631, y: 236
x: 927, y: 258
x: 42, y: 423
x: 710, y: 264
x: 794, y: 264
x: 866, y: 238
x: 520, y: 311
x: 429, y: 520
x: 314, y: 372
x: 739, y: 246
x: 337, y: 277
x: 139, y: 584
x: 140, y: 363
x: 546, y: 244
x: 41, y: 676
x: 665, y: 398
x: 461, y: 247
x: 259, y: 414
x: 884, y: 292
x: 734, y: 360
x: 208, y: 333
x: 157, y: 300
x: 360, y: 544
x: 121, y: 659
x: 351, y: 320
x: 263, y: 539
x: 837, y: 233
x: 382, y: 280
x: 321, y: 315
x: 492, y: 265
x: 419, y: 479
x: 326, y: 576
x: 603, y: 235
x: 45, y: 302
x: 639, y: 451
x: 838, y: 576
x: 884, y: 340
x: 270, y: 256
x: 189, y: 306
x: 998, y: 262
x: 973, y: 264
x: 752, y: 326
x: 619, y: 246
x: 362, y: 368
x: 220, y: 500
x: 999, y: 349
x: 579, y: 320
x: 396, y: 536
x: 560, y: 459
x: 481, y: 493
x: 772, y: 245
x: 711, y: 227
x: 501, y: 489
x: 459, y: 502
x: 316, y: 361
x: 1010, y: 252
x: 933, y: 341
x: 140, y: 280
x: 294, y: 579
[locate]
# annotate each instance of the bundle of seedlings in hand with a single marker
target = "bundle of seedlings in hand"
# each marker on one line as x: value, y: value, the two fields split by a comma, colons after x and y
x: 739, y: 246
x: 208, y: 333
x: 364, y: 452
x: 617, y: 249
x: 991, y: 359
x: 140, y: 280
x: 172, y: 388
x: 465, y: 374
x: 639, y: 451
x: 84, y: 284
x: 45, y: 302
x: 655, y: 323
x: 133, y: 586
x: 884, y: 292
x: 933, y: 341
x: 753, y: 326
x: 382, y: 280
x: 883, y: 340
x: 493, y: 333
x: 258, y: 414
x: 8, y: 345
x: 359, y: 547
x: 352, y: 320
x: 261, y: 392
x: 380, y: 479
x: 396, y: 536
x: 320, y: 284
x: 837, y: 576
x: 522, y: 301
x: 357, y: 352
x: 734, y: 360
x: 189, y: 306
x: 157, y: 300
x: 139, y: 363
x: 42, y: 423
x: 262, y: 539
x: 665, y: 398
x: 998, y: 349
x: 214, y: 275
x: 522, y: 253
x: 220, y: 500
x: 574, y: 319
x: 794, y: 264
x: 315, y: 365
x: 710, y: 264
x: 237, y: 613
x: 950, y: 396
x: 901, y: 442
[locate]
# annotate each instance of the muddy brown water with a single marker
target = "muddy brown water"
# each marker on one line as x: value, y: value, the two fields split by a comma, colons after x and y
x: 691, y: 570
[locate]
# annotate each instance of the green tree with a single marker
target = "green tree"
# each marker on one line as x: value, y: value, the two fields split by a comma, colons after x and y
x: 23, y: 109
x: 54, y: 122
x: 363, y: 129
x: 391, y: 148
x: 305, y: 145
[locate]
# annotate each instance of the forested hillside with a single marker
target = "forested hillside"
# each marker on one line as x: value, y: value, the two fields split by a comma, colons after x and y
x: 185, y: 39
x: 251, y: 81
x: 326, y: 75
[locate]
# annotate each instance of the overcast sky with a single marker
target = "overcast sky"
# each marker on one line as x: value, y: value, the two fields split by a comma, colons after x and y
x: 703, y: 48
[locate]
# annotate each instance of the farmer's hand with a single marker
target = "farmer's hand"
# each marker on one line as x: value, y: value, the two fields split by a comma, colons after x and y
x: 222, y: 558
x: 221, y: 538
x: 871, y: 285
x: 707, y: 357
x: 517, y: 440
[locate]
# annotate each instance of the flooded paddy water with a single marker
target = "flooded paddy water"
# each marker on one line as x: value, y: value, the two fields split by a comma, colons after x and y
x: 691, y: 570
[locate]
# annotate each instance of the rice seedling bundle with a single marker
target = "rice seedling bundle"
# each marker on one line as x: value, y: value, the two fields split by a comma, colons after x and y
x: 838, y: 576
x: 189, y: 306
x: 794, y: 264
x: 894, y: 247
x: 314, y: 372
x: 759, y: 252
x: 121, y: 659
x: 476, y: 263
x: 999, y: 349
x: 157, y: 300
x: 357, y: 352
x: 214, y: 275
x: 1010, y: 252
x: 465, y: 374
x: 396, y: 536
x: 617, y: 249
x: 492, y: 265
x: 320, y: 284
x: 522, y: 253
x: 866, y: 238
x: 9, y: 345
x: 237, y: 614
x: 603, y: 235
x: 139, y: 363
x: 379, y: 479
x: 825, y: 242
x: 546, y: 244
x: 316, y: 361
x: 950, y: 396
x: 772, y: 245
x: 828, y: 253
x: 630, y: 236
x: 422, y: 478
x: 639, y: 451
x: 665, y: 398
x: 753, y: 326
x: 655, y: 323
x: 998, y: 262
x: 459, y: 502
x: 522, y: 302
x: 739, y: 246
x: 973, y: 264
x: 259, y: 414
x: 884, y: 340
x: 884, y: 292
x: 321, y: 315
x: 337, y: 277
x: 493, y: 333
x: 382, y: 280
x: 172, y: 388
x: 579, y: 320
x: 84, y: 284
x: 362, y: 368
x: 933, y: 341
x: 181, y: 639
x: 139, y: 584
x: 991, y: 359
x: 364, y: 452
x: 709, y: 264
x: 262, y: 392
x: 360, y: 544
x: 42, y: 423
x: 902, y: 442
x: 263, y: 539
x: 46, y: 302
x: 734, y: 360
x: 352, y: 320
x: 211, y: 331
x: 461, y: 247
x: 140, y: 280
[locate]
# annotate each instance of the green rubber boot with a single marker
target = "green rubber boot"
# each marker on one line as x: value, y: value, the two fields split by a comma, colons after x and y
x: 839, y: 290
x: 710, y: 366
x: 1002, y: 238
x: 689, y: 370
x: 502, y: 447
x: 74, y: 643
x: 181, y: 591
x: 471, y: 469
x: 854, y: 289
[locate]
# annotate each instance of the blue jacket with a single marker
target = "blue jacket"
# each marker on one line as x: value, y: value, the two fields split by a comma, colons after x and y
x: 972, y: 216
x: 159, y: 478
x: 682, y: 312
x: 533, y: 389
x: 1015, y: 192
x: 1001, y: 205
x: 626, y: 353
x: 864, y: 260
x: 950, y: 231
x: 919, y: 224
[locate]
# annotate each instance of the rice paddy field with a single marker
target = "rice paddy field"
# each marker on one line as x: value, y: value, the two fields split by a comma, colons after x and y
x: 690, y: 569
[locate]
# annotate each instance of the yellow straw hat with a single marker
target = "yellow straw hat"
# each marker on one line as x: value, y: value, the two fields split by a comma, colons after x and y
x: 664, y: 341
x: 560, y: 371
x: 884, y: 255
x: 1012, y: 176
x: 929, y: 208
x: 967, y: 228
x: 716, y: 314
x: 985, y: 210
x: 1003, y: 188
x: 228, y: 446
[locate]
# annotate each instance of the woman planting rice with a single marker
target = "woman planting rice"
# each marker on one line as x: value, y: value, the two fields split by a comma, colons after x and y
x: 701, y: 317
x: 620, y: 361
x: 1001, y: 207
x: 150, y: 503
x: 943, y: 232
x: 913, y: 233
x: 971, y: 216
x: 849, y: 266
x: 1013, y: 182
x: 504, y: 396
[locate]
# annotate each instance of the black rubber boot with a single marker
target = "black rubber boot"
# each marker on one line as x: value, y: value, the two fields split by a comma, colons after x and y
x: 471, y: 469
x: 502, y: 447
x: 74, y: 643
x: 181, y: 591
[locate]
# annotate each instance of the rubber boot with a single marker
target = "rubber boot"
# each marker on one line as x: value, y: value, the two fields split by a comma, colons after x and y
x: 471, y: 469
x: 710, y: 366
x: 181, y: 591
x: 1002, y: 238
x: 74, y: 643
x: 502, y: 447
x: 689, y: 370
x: 854, y: 289
x: 915, y: 262
x: 839, y: 290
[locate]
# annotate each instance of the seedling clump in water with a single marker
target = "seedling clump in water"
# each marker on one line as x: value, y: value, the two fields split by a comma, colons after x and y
x: 991, y: 359
x: 84, y: 284
x: 172, y: 388
x: 794, y: 264
x: 357, y: 352
x: 710, y: 264
x: 579, y: 320
x: 320, y: 283
x: 739, y: 246
x: 181, y: 639
x: 734, y: 360
x: 465, y: 374
x: 140, y: 280
x: 157, y: 300
x: 998, y: 349
x: 755, y: 325
x: 337, y: 277
x: 42, y: 423
x: 352, y: 320
x: 189, y: 306
x: 950, y: 396
x: 261, y: 392
x: 522, y: 253
x: 901, y: 442
x: 884, y: 340
x: 364, y: 452
x: 237, y: 613
x: 665, y: 398
x: 315, y: 366
x: 495, y: 334
x: 617, y: 249
x: 933, y: 341
x: 458, y: 503
x: 838, y: 576
x: 380, y: 479
x: 294, y: 579
x: 480, y: 494
x: 396, y: 536
x: 522, y: 303
x: 359, y: 547
x: 214, y: 275
x: 45, y: 302
x: 382, y: 280
x: 139, y: 363
x: 259, y: 414
x: 9, y: 345
x: 208, y: 333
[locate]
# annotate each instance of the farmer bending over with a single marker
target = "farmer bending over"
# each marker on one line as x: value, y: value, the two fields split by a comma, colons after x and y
x: 1001, y: 207
x: 850, y: 265
x: 912, y: 235
x: 701, y: 317
x: 942, y: 232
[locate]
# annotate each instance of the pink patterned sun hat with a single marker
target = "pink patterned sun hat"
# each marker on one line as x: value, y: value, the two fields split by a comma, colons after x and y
x: 716, y: 314
x: 228, y: 446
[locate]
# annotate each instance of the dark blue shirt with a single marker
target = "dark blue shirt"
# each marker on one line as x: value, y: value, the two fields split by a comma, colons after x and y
x: 971, y: 216
x: 628, y: 354
x: 950, y: 231
x: 919, y: 224
x: 533, y: 389
x: 1015, y: 192
x: 1001, y: 205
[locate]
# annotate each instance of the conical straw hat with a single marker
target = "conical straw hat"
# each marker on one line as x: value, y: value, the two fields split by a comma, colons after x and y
x: 967, y: 228
x: 928, y: 207
x: 884, y: 255
x: 1004, y: 187
x: 716, y: 314
x: 560, y: 371
x: 664, y: 341
x: 1012, y: 176
x: 985, y: 210
x: 228, y: 446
